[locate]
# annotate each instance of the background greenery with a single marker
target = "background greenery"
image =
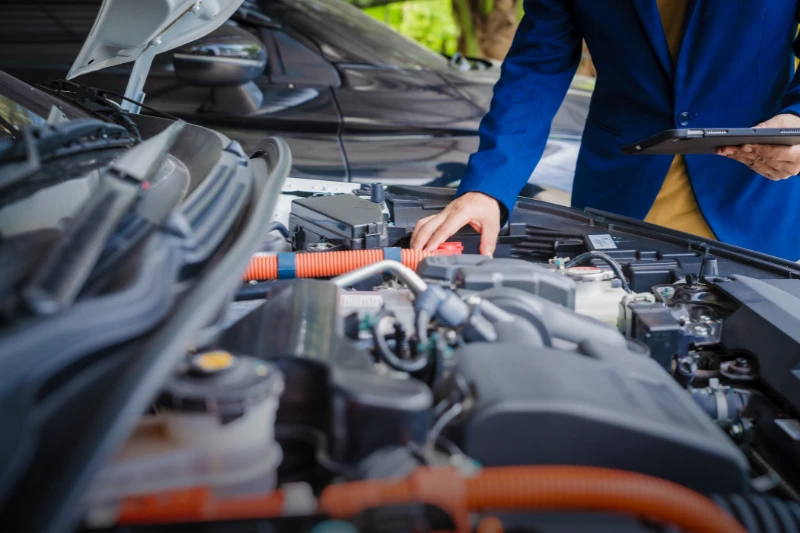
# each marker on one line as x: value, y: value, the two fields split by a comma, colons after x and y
x: 429, y: 22
x: 476, y: 28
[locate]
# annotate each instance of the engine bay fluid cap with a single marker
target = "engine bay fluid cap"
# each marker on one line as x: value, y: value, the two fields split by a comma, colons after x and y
x: 589, y: 273
x: 222, y: 384
x: 211, y: 362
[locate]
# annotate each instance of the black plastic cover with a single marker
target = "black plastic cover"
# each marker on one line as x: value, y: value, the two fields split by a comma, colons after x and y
x: 615, y: 409
x: 330, y: 382
x: 767, y: 325
x: 654, y: 325
x: 477, y: 273
x: 372, y: 412
x: 343, y: 219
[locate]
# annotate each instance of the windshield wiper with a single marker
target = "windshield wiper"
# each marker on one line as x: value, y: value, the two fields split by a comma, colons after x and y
x: 99, y: 103
x: 61, y: 276
x: 22, y: 157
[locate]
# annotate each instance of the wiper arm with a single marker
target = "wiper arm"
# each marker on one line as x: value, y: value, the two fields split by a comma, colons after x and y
x: 60, y: 278
x: 99, y: 103
x: 22, y: 157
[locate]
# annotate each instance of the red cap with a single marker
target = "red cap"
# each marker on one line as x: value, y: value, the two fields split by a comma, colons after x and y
x: 449, y: 248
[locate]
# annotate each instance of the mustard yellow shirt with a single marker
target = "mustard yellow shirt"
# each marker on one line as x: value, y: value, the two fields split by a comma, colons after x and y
x: 676, y: 205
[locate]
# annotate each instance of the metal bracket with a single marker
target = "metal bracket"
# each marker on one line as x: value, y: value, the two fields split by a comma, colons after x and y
x: 141, y: 67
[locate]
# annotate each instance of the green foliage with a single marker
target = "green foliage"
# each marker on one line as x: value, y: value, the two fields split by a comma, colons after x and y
x: 429, y: 22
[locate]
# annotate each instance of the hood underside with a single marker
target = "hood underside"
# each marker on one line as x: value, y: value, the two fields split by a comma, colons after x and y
x: 124, y: 29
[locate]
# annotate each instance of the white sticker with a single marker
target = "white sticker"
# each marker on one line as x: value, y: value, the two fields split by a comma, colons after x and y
x: 361, y: 301
x: 602, y: 242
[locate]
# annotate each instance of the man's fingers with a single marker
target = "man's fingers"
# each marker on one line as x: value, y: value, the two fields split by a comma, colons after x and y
x: 455, y: 221
x: 753, y: 163
x: 424, y: 229
x: 489, y: 232
x: 726, y: 150
x: 769, y: 168
x: 772, y: 151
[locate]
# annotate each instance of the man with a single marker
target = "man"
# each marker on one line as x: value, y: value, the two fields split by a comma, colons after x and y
x: 661, y: 64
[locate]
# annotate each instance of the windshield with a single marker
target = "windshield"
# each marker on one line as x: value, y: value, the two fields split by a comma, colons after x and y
x: 348, y: 35
x: 22, y: 105
x: 14, y: 117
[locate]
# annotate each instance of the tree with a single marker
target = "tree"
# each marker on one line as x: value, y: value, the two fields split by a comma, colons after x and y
x: 487, y: 26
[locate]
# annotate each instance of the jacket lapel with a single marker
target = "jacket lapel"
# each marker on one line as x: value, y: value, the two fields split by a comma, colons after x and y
x: 690, y: 35
x: 654, y: 30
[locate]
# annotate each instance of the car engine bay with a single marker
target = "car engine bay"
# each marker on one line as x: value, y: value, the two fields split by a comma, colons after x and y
x: 354, y: 379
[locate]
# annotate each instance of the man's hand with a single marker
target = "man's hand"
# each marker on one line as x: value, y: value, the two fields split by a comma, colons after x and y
x: 772, y: 161
x: 480, y: 211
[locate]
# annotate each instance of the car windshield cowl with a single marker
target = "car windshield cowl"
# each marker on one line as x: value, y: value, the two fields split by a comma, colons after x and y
x: 99, y: 103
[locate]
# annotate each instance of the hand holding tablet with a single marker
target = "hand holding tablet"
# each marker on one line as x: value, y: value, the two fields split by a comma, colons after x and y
x: 772, y: 148
x: 773, y: 161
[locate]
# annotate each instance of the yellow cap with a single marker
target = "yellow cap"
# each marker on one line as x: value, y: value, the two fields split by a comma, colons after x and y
x: 210, y: 362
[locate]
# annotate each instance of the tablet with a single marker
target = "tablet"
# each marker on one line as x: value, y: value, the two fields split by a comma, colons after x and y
x: 705, y: 141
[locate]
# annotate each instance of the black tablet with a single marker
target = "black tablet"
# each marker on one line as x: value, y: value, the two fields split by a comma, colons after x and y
x: 705, y: 141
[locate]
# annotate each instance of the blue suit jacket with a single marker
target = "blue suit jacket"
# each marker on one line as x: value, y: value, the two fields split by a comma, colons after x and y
x: 735, y: 69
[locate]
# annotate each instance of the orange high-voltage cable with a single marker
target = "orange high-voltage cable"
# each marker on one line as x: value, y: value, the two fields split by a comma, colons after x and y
x: 514, y: 488
x: 528, y: 488
x: 329, y: 264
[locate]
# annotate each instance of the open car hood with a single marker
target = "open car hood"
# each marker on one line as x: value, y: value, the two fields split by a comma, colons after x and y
x: 124, y: 29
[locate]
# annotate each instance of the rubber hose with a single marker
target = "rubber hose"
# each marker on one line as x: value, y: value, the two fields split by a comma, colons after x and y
x: 582, y: 258
x: 422, y: 320
x: 404, y: 365
x: 326, y: 264
x: 537, y: 487
x: 280, y: 228
x: 762, y: 513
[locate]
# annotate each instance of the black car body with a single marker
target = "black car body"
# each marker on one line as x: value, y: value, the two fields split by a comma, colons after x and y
x: 355, y: 100
x: 96, y: 267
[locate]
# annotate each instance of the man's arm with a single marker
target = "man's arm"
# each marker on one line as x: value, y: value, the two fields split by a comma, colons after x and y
x: 772, y: 161
x: 534, y: 79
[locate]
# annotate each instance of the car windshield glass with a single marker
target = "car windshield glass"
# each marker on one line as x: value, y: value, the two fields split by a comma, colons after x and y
x: 22, y: 105
x: 14, y: 117
x: 348, y: 35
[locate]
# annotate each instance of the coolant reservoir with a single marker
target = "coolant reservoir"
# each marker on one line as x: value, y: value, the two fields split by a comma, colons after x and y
x: 213, y: 427
x: 596, y: 294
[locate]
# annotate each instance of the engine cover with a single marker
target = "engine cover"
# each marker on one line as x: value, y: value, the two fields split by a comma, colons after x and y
x: 615, y: 409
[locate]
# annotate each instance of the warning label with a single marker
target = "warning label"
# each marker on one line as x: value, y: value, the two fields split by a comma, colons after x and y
x: 602, y: 242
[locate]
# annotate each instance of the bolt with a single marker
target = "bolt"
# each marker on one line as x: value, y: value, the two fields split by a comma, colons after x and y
x: 474, y: 300
x: 736, y: 431
x: 701, y: 330
x: 705, y: 318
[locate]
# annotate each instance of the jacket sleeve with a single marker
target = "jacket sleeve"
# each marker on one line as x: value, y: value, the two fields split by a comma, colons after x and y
x: 791, y: 100
x: 534, y: 79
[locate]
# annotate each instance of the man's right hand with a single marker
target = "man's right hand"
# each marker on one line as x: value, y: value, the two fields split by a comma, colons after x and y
x: 480, y: 211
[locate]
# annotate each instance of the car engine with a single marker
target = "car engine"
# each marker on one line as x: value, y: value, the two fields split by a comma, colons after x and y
x: 354, y: 379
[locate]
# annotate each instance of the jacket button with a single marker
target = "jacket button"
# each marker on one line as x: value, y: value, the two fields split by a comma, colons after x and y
x: 683, y: 118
